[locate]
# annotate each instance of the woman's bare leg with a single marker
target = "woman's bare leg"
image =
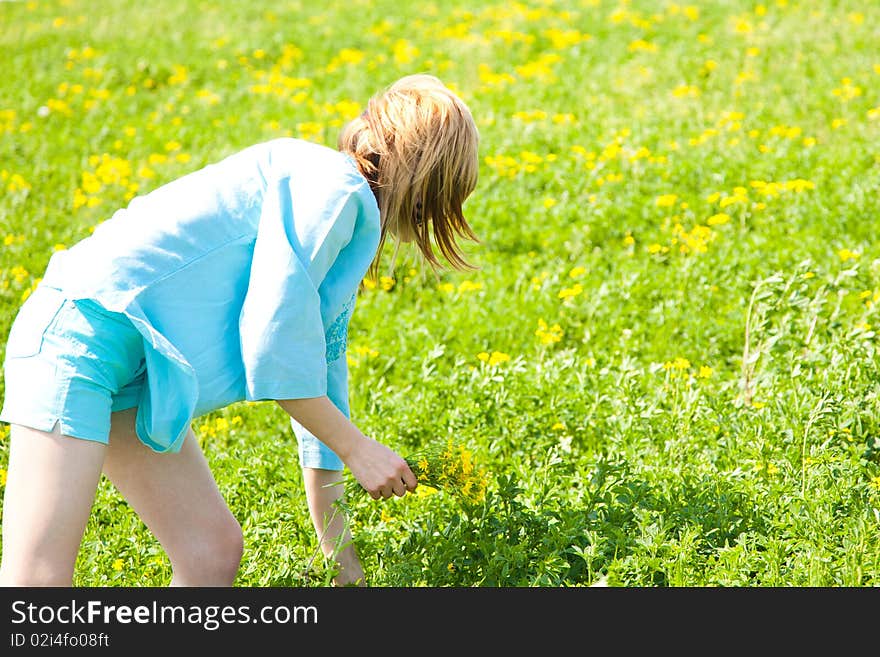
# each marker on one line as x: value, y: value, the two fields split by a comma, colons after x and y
x: 177, y: 498
x: 323, y: 489
x: 50, y: 488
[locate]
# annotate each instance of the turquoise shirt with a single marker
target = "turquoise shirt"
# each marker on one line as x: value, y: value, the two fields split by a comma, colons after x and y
x: 241, y: 277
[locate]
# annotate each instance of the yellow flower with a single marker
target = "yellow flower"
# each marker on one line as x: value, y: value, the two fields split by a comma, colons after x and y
x: 17, y: 183
x: 442, y: 466
x: 179, y: 76
x: 363, y: 350
x: 740, y: 195
x: 118, y: 564
x: 19, y: 273
x: 641, y: 45
x: 452, y: 468
x: 469, y: 286
x: 404, y: 52
x: 686, y: 90
x: 847, y: 91
x: 572, y: 291
x: 548, y: 334
x: 495, y: 358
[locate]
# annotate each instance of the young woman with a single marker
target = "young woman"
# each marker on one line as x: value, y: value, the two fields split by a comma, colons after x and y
x: 235, y: 282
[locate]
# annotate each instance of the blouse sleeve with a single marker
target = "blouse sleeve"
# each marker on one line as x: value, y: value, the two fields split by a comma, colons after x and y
x: 312, y: 452
x: 312, y: 249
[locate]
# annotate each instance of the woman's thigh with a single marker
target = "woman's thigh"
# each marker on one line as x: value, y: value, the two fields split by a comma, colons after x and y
x: 50, y: 488
x: 174, y: 494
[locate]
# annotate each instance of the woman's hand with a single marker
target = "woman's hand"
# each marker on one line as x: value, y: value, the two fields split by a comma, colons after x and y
x: 377, y: 468
x: 380, y: 471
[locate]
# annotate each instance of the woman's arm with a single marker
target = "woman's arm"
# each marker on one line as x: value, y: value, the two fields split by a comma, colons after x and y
x: 377, y: 468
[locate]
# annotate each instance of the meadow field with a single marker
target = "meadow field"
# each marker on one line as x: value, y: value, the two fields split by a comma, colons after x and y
x: 665, y: 362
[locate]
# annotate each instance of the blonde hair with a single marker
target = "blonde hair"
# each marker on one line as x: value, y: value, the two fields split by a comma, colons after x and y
x: 416, y: 143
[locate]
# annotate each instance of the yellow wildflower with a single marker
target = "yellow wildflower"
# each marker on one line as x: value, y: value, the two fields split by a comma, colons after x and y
x: 495, y: 358
x: 572, y: 291
x: 469, y: 286
x: 548, y: 334
x: 717, y: 219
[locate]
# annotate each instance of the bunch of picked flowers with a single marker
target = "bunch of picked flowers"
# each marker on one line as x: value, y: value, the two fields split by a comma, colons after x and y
x: 447, y: 466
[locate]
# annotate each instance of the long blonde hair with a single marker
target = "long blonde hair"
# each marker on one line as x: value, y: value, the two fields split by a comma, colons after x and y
x: 416, y: 143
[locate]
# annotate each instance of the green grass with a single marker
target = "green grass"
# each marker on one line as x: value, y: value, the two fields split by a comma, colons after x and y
x: 709, y: 413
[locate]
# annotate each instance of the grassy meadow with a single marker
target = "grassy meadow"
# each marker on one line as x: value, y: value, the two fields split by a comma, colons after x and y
x: 666, y: 361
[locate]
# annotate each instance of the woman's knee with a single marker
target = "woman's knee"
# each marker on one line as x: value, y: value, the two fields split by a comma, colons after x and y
x: 34, y: 570
x: 229, y: 545
x: 213, y: 555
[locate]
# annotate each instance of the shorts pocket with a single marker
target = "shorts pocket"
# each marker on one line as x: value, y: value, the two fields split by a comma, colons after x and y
x: 33, y: 319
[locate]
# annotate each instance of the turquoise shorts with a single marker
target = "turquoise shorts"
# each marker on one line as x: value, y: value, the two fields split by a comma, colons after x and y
x: 70, y: 363
x: 73, y: 363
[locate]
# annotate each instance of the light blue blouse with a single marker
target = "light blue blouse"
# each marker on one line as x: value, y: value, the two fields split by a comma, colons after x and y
x: 241, y: 277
